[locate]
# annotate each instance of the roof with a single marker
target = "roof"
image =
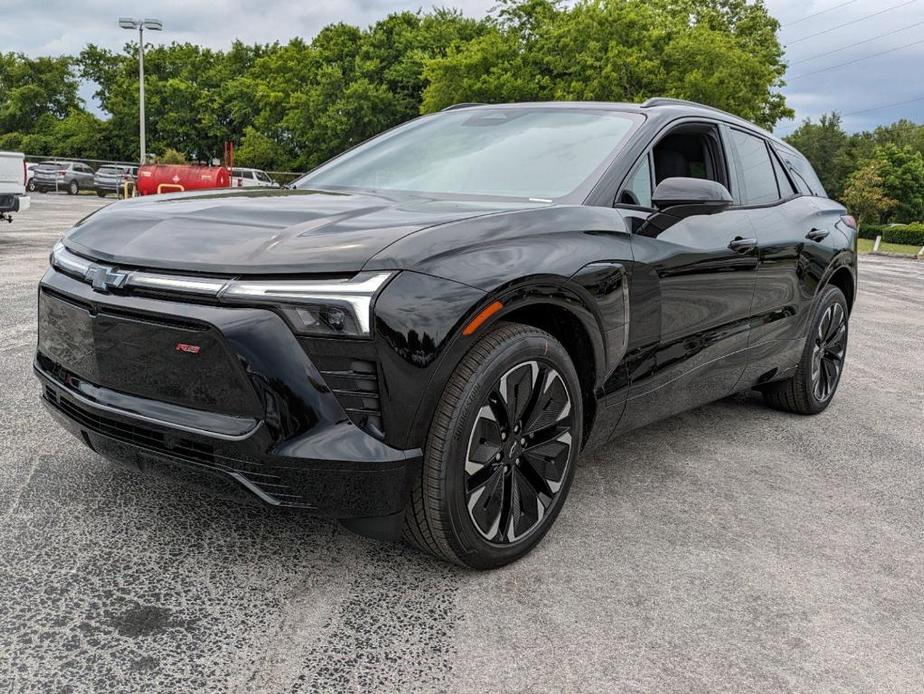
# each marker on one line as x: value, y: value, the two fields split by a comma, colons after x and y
x: 680, y: 107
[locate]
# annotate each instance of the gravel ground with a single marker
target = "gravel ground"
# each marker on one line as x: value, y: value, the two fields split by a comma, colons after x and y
x: 731, y: 548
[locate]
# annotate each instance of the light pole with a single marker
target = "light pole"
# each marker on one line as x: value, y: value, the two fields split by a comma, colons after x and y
x: 141, y: 25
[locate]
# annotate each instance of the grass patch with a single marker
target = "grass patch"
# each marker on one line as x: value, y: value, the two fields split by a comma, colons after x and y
x: 866, y: 246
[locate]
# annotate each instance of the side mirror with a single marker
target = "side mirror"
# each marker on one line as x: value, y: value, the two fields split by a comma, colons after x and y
x: 684, y: 197
x: 679, y: 197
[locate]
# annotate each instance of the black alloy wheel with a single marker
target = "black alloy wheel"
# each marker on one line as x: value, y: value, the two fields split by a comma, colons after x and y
x: 811, y: 388
x: 518, y: 452
x: 501, y: 452
x: 828, y: 353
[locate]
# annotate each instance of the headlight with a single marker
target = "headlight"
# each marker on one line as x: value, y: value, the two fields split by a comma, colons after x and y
x: 332, y: 307
x: 313, y: 307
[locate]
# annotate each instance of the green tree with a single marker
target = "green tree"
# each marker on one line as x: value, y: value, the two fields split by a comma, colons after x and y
x: 903, y: 180
x: 865, y: 195
x: 34, y: 87
x: 827, y: 147
x: 721, y: 52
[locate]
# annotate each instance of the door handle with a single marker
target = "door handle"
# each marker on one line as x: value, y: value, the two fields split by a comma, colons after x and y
x: 817, y: 234
x: 742, y: 245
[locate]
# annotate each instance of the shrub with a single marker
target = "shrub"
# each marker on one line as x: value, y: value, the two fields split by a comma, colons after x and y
x: 909, y: 234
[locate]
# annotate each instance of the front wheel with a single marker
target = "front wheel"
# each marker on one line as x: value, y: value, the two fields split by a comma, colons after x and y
x: 501, y: 451
x: 816, y: 379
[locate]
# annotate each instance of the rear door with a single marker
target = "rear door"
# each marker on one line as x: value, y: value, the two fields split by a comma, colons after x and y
x: 697, y: 277
x: 794, y: 227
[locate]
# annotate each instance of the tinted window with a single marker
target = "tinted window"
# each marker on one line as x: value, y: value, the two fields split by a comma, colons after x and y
x: 755, y: 170
x: 802, y: 173
x: 786, y: 187
x: 515, y: 152
x: 637, y: 190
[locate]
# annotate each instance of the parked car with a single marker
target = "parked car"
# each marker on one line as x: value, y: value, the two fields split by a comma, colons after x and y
x: 70, y: 176
x: 422, y: 335
x: 251, y: 178
x: 13, y: 177
x: 30, y: 177
x: 112, y: 178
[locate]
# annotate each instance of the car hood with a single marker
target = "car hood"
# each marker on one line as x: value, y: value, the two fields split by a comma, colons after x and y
x: 259, y: 231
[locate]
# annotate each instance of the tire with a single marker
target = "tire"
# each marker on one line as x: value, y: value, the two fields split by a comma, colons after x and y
x: 101, y: 193
x: 31, y: 185
x: 73, y: 188
x: 476, y: 456
x: 812, y: 388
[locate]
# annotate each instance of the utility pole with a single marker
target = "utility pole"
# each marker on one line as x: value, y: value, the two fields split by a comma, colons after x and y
x: 141, y: 25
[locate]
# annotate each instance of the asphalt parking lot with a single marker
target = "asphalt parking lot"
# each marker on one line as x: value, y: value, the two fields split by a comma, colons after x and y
x: 731, y: 548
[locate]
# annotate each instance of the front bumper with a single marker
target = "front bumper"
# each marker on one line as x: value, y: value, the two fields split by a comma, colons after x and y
x: 251, y: 410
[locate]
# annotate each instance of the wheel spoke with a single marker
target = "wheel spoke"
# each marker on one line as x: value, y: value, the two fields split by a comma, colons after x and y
x: 837, y: 318
x: 486, y: 504
x: 485, y: 441
x: 516, y: 387
x: 526, y: 509
x: 550, y: 460
x: 550, y: 404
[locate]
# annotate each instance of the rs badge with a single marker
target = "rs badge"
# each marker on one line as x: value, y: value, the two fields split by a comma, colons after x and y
x: 190, y: 349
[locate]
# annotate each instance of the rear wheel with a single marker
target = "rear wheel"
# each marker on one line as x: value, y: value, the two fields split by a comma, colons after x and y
x: 73, y: 188
x: 101, y: 193
x: 31, y: 185
x: 501, y: 451
x: 816, y: 379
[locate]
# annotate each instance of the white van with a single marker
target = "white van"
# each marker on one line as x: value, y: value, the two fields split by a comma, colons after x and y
x: 13, y: 175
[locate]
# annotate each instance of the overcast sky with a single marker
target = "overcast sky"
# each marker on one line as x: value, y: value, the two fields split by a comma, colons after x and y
x: 857, y: 90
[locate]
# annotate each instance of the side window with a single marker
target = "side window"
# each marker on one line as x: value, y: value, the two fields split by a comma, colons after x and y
x: 782, y: 180
x: 637, y: 190
x: 755, y: 170
x: 802, y: 172
x: 247, y: 174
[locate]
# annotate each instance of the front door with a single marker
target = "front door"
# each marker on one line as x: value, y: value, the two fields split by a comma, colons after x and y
x: 693, y: 285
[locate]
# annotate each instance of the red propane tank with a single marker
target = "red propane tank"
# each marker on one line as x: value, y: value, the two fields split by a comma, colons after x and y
x: 172, y: 178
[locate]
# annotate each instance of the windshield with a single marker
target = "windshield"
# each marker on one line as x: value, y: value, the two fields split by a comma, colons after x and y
x: 526, y: 152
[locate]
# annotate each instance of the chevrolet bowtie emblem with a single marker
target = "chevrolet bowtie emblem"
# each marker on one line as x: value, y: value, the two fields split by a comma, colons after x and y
x: 105, y: 278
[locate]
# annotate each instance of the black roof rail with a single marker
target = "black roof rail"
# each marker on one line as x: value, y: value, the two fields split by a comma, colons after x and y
x: 462, y: 105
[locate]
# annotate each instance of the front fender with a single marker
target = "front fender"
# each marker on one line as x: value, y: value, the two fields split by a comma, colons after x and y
x: 419, y: 328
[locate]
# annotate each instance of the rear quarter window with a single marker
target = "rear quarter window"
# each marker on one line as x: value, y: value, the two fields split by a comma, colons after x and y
x: 802, y: 173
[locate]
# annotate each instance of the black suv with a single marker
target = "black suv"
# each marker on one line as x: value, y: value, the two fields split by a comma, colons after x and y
x: 421, y: 335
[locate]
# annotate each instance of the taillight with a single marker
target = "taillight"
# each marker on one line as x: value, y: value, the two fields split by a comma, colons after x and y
x: 849, y: 221
x: 62, y: 172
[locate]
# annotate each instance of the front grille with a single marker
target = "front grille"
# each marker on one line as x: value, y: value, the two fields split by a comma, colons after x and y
x: 184, y: 449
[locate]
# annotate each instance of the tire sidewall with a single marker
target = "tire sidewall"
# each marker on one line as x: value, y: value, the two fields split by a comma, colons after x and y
x: 73, y: 188
x: 830, y: 296
x: 469, y: 545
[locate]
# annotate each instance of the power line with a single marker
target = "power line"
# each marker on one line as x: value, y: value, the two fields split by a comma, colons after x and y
x: 815, y: 14
x: 858, y: 60
x: 884, y: 106
x: 853, y: 21
x: 855, y: 44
